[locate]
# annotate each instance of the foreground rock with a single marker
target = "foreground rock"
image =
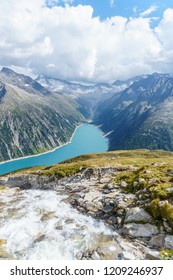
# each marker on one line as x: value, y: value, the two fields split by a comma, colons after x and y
x: 94, y: 193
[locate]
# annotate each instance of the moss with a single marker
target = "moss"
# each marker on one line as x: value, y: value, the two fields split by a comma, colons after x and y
x: 61, y: 170
x: 158, y: 192
x: 166, y: 254
x: 166, y: 210
x: 153, y: 209
x: 2, y: 188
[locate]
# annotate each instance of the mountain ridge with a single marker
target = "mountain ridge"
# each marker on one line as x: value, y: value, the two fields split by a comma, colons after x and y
x: 140, y: 116
x: 33, y: 119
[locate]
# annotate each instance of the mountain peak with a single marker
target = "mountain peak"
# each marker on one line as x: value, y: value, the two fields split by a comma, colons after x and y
x: 7, y: 70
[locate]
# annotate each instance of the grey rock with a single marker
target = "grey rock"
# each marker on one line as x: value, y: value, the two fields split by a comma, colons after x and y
x: 140, y: 230
x: 112, y: 220
x: 108, y: 209
x: 110, y: 187
x: 153, y: 255
x: 123, y: 184
x: 95, y: 256
x: 119, y: 220
x: 137, y: 215
x: 169, y: 242
x: 152, y: 181
x: 104, y: 180
x: 109, y: 250
x: 89, y: 206
x: 106, y: 191
x: 79, y: 256
x: 169, y: 190
x: 141, y: 180
x: 167, y: 227
x: 127, y: 256
x: 157, y: 241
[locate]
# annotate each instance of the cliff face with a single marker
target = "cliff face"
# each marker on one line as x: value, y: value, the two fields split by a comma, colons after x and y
x: 131, y: 191
x: 32, y: 119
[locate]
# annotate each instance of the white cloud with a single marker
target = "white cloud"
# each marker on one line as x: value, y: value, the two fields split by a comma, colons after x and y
x: 69, y: 43
x: 149, y: 11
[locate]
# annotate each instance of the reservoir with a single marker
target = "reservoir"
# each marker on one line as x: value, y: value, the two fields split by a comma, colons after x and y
x: 86, y: 139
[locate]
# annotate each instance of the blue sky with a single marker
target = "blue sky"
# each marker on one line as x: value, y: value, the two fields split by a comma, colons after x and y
x: 87, y: 41
x: 125, y: 8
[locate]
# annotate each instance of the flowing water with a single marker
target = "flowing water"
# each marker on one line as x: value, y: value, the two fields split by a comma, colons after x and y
x: 38, y: 225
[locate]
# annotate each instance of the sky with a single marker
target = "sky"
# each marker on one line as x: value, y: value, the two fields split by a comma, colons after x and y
x: 87, y: 41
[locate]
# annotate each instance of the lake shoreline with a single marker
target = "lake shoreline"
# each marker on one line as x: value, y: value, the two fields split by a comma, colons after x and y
x: 86, y: 139
x: 49, y: 151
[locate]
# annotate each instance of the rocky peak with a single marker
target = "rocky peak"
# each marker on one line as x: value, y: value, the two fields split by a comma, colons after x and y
x: 22, y: 81
x: 8, y: 71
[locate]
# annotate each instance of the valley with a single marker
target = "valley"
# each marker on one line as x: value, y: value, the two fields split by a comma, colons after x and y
x: 119, y: 203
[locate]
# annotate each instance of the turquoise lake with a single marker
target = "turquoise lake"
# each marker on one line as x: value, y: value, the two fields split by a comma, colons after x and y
x: 87, y: 139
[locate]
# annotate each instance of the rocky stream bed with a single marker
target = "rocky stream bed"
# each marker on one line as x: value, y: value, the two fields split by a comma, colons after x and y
x: 84, y: 216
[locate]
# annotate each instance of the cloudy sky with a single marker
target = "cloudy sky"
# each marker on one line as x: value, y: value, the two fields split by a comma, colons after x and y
x: 89, y: 40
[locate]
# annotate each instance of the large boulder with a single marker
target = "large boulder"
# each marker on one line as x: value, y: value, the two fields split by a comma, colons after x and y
x: 136, y: 215
x: 140, y: 230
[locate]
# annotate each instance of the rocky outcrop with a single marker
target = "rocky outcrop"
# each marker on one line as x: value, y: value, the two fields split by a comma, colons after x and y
x: 94, y: 193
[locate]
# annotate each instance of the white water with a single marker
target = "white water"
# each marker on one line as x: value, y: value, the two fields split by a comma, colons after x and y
x: 30, y: 214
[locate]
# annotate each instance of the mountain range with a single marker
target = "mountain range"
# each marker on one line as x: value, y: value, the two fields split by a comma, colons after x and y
x: 41, y: 114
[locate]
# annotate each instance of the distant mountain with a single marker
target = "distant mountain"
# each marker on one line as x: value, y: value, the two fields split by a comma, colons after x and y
x: 87, y: 96
x: 141, y: 116
x: 61, y: 86
x: 24, y: 82
x: 130, y: 81
x: 32, y: 118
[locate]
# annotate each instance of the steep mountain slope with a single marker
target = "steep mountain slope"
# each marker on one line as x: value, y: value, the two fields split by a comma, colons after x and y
x: 141, y: 116
x: 32, y: 119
